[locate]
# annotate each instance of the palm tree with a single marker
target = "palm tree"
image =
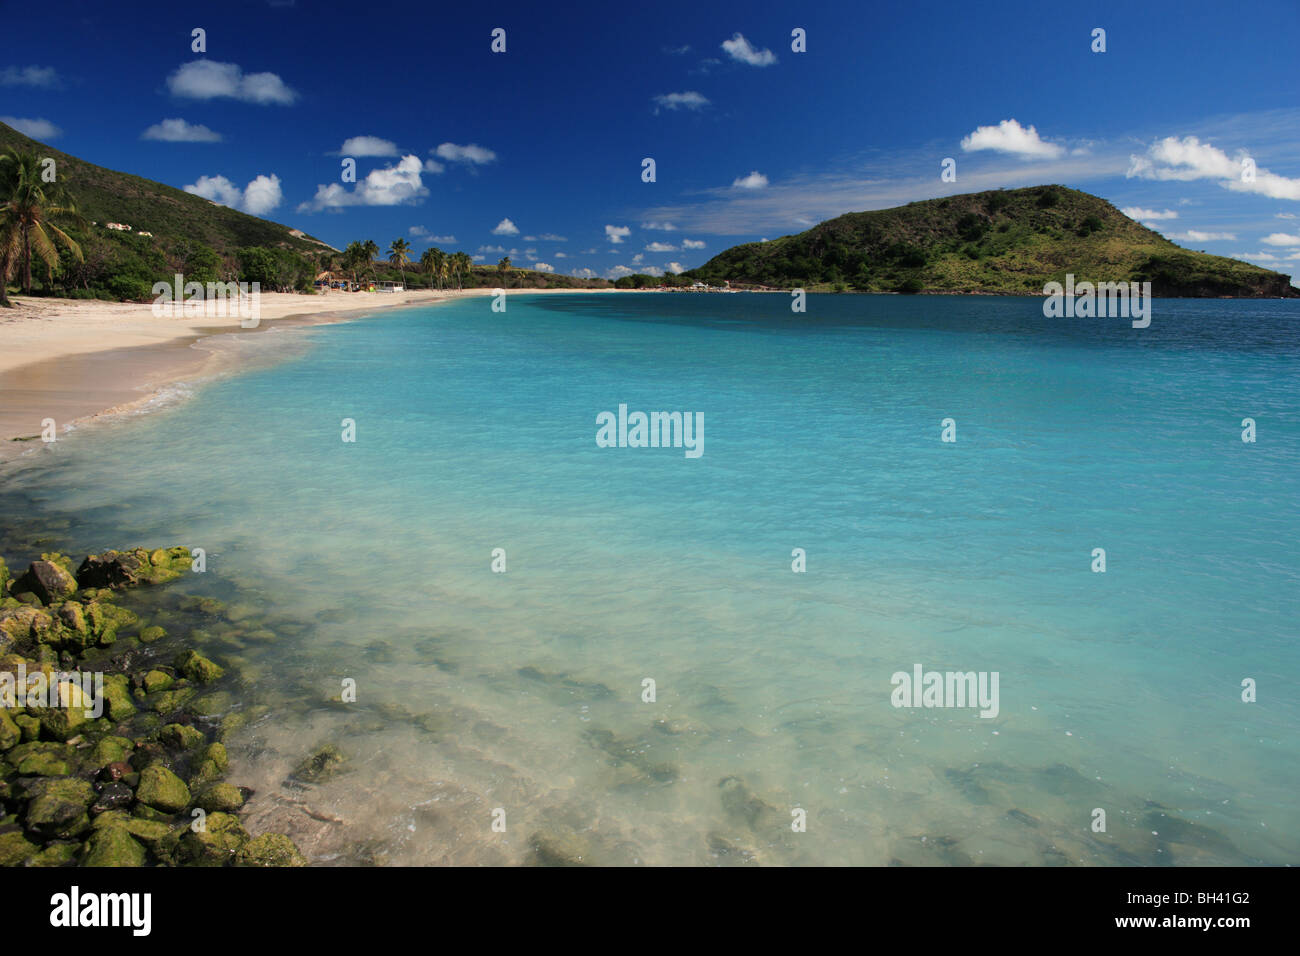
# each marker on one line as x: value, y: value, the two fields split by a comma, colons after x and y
x: 397, y: 256
x: 434, y: 260
x: 503, y: 267
x: 462, y: 263
x: 371, y: 251
x: 27, y: 206
x: 354, y: 257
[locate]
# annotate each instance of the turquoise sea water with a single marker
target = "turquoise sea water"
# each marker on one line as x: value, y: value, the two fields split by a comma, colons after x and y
x: 523, y: 691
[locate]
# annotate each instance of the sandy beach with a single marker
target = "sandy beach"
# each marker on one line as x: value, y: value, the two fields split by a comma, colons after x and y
x: 73, y: 360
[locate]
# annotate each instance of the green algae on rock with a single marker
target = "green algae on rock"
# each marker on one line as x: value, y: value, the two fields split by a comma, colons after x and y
x: 112, y: 790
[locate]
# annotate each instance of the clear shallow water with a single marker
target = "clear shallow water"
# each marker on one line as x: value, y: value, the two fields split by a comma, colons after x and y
x: 476, y: 430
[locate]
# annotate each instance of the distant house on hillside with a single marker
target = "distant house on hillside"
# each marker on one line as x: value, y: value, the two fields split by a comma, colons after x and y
x: 148, y: 234
x: 118, y: 226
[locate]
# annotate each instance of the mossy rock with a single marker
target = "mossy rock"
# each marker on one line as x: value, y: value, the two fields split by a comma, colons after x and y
x: 63, y: 721
x: 197, y: 668
x: 113, y: 846
x: 216, y: 753
x: 270, y: 849
x: 73, y: 617
x: 142, y: 812
x: 157, y: 681
x: 58, y: 807
x: 15, y: 848
x: 106, y: 620
x: 211, y: 705
x: 152, y: 633
x: 111, y: 750
x: 162, y: 790
x: 170, y: 701
x: 220, y: 798
x: 321, y: 764
x: 29, y: 725
x: 117, y: 697
x: 11, y: 734
x: 182, y: 737
x: 56, y: 854
x: 26, y: 623
x: 159, y: 838
x: 49, y: 581
x: 204, y: 773
x: 216, y: 844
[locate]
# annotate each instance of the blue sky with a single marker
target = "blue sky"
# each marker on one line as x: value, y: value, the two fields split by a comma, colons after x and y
x: 538, y: 151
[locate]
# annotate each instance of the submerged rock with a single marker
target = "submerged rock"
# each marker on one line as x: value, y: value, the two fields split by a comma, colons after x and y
x: 197, y: 668
x: 559, y: 846
x: 322, y: 764
x: 743, y: 805
x: 270, y: 849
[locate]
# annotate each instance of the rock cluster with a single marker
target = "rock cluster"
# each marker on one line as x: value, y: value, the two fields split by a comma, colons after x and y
x: 141, y: 783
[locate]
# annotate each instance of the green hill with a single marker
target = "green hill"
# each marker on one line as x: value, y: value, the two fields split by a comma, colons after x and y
x: 105, y: 195
x: 1004, y: 241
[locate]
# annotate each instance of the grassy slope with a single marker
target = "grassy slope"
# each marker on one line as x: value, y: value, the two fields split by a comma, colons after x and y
x: 105, y: 195
x: 1006, y: 241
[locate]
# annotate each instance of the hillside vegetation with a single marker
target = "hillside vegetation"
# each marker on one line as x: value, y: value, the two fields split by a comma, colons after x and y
x: 1003, y: 241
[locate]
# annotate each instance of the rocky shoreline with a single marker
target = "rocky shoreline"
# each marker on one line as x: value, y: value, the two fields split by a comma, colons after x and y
x: 112, y: 732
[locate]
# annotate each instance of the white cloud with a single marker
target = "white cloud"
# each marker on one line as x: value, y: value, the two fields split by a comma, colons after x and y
x: 179, y: 131
x: 491, y: 248
x: 530, y: 254
x: 258, y: 198
x: 1137, y: 212
x: 689, y: 100
x: 638, y: 258
x: 478, y: 258
x: 661, y: 226
x: 208, y: 79
x: 1286, y: 215
x: 419, y: 232
x: 617, y: 272
x: 755, y: 180
x: 661, y: 247
x: 1195, y: 235
x: 432, y: 166
x: 652, y: 271
x: 543, y: 267
x: 471, y: 153
x: 692, y: 244
x: 29, y: 76
x: 505, y: 228
x: 1188, y: 158
x: 560, y: 255
x: 617, y: 234
x: 391, y: 186
x: 368, y: 146
x: 1281, y: 239
x: 35, y: 128
x: 1257, y: 256
x: 742, y: 51
x: 545, y: 237
x: 1010, y: 137
x: 583, y: 273
x: 676, y: 268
